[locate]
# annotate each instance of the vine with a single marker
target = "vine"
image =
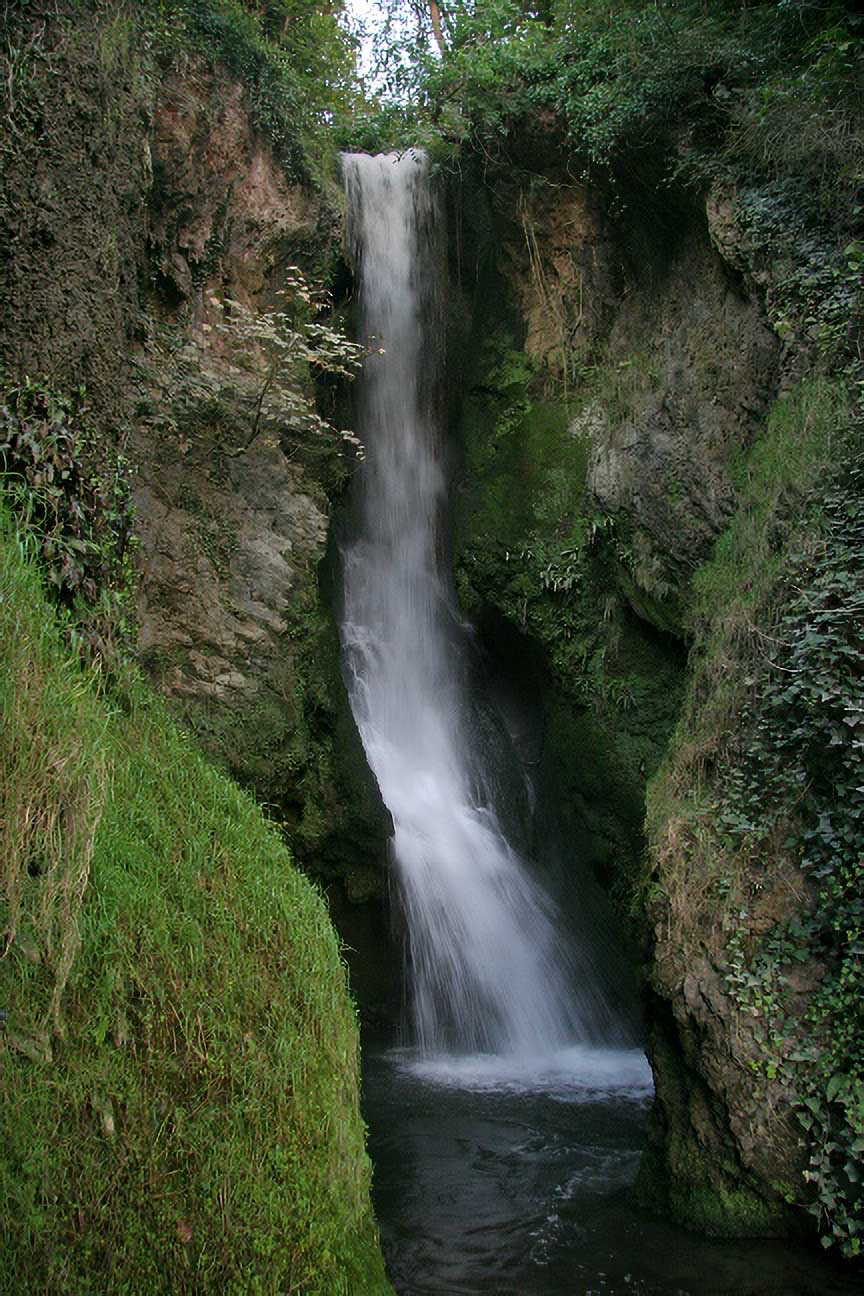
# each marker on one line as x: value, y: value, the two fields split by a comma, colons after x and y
x: 76, y: 500
x: 800, y: 778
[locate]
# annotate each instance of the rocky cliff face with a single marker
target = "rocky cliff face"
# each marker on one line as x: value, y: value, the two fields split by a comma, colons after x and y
x: 229, y: 534
x: 137, y: 218
x: 667, y: 354
x: 234, y: 523
x: 644, y: 431
x: 619, y: 373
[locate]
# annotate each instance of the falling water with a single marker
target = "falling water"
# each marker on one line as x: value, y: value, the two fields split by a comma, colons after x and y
x: 500, y: 1171
x: 489, y: 970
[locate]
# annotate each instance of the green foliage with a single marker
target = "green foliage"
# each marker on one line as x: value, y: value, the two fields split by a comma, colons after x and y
x: 287, y: 347
x: 294, y: 59
x: 75, y: 495
x: 380, y: 127
x: 766, y: 772
x: 188, y: 1120
x: 801, y: 772
x: 771, y: 88
x: 613, y: 78
x: 275, y: 372
x: 815, y: 296
x: 806, y: 119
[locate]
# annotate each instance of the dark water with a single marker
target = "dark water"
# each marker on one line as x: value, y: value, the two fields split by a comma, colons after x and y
x: 486, y: 1184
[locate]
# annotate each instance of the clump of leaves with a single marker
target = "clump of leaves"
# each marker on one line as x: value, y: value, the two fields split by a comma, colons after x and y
x: 801, y: 774
x: 294, y: 58
x: 284, y: 349
x: 814, y: 282
x: 75, y: 497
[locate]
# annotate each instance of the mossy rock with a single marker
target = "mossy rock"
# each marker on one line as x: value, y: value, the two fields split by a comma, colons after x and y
x: 689, y: 1189
x: 184, y: 1116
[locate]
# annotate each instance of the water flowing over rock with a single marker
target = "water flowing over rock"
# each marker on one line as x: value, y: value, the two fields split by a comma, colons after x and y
x: 488, y: 964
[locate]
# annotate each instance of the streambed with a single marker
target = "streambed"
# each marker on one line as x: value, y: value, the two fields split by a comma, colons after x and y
x: 514, y: 1181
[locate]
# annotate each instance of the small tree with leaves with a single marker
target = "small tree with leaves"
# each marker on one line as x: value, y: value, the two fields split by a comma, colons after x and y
x: 285, y: 349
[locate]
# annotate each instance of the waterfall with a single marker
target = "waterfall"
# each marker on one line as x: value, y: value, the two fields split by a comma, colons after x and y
x: 489, y: 969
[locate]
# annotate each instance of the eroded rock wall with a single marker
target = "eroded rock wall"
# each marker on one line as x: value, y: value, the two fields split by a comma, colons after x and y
x: 664, y: 349
x: 651, y: 327
x: 233, y: 522
x: 618, y: 367
x: 140, y: 205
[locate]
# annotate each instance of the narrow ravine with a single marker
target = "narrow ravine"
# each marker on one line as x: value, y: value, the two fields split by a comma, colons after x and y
x: 490, y: 970
x: 507, y: 1122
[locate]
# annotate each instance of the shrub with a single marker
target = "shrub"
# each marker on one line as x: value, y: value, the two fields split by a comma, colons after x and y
x: 74, y: 495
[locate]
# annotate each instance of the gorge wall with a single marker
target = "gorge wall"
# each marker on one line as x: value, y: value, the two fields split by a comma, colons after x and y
x: 615, y: 376
x: 143, y: 213
x: 650, y: 428
x: 234, y: 523
x: 144, y: 204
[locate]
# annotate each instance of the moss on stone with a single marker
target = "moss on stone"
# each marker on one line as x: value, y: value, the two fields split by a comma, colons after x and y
x: 725, y: 1212
x: 684, y: 1186
x: 189, y: 1119
x: 689, y: 1170
x: 531, y: 547
x: 293, y: 741
x: 665, y: 614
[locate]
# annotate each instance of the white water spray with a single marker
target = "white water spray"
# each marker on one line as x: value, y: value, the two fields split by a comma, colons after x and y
x: 489, y: 970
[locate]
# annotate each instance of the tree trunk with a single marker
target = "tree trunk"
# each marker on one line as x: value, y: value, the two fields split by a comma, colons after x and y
x: 435, y: 15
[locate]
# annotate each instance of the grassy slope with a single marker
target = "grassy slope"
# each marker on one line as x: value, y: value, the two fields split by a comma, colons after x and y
x: 187, y: 1119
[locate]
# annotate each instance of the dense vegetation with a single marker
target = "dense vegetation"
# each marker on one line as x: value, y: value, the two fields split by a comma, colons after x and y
x: 178, y: 1047
x: 774, y: 85
x: 72, y: 492
x: 180, y: 1051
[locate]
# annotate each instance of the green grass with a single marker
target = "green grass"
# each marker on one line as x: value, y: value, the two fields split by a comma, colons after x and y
x: 778, y: 479
x: 182, y: 1115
